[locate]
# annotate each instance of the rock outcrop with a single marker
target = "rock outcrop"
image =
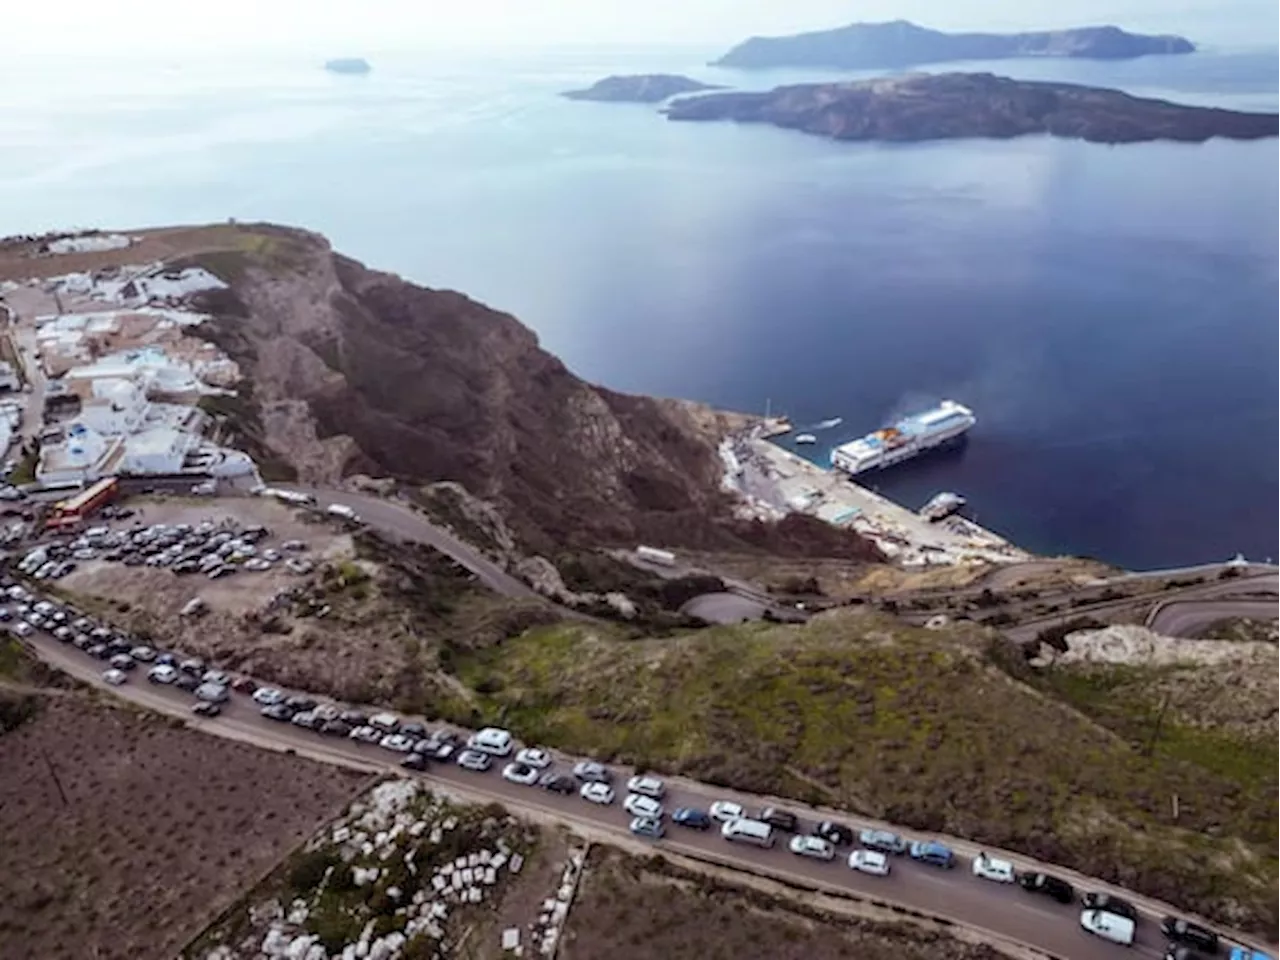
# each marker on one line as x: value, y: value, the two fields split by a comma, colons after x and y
x: 643, y: 88
x: 900, y: 43
x: 954, y: 105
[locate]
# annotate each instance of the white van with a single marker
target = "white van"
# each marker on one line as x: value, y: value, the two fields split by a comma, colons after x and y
x: 743, y: 830
x: 1108, y: 926
x: 989, y: 868
x: 341, y: 510
x: 492, y: 740
x: 386, y: 722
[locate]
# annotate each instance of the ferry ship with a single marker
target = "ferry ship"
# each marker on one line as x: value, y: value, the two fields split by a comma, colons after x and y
x: 947, y: 423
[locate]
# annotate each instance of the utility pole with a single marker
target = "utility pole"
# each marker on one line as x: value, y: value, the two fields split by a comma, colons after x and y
x: 1155, y: 733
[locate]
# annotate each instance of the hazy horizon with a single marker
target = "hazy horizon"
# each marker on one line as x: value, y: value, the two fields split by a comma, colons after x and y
x: 360, y: 27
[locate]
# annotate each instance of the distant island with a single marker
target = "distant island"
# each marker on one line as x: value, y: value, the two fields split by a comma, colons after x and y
x: 878, y: 46
x: 348, y: 65
x: 641, y: 88
x: 945, y: 106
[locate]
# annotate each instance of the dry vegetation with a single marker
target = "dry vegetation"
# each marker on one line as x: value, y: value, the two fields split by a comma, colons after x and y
x: 943, y: 731
x: 124, y: 832
x: 647, y: 909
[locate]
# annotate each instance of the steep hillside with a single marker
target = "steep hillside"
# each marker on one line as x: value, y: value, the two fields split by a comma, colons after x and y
x: 356, y: 371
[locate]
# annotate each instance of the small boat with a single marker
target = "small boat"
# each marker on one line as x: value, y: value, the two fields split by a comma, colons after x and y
x: 828, y: 424
x: 806, y: 438
x: 942, y: 505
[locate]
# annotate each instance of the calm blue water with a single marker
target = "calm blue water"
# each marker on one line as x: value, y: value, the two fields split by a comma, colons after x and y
x: 1110, y: 312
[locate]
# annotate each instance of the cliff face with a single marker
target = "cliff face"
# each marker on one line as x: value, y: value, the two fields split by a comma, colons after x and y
x: 873, y: 46
x: 950, y: 105
x: 641, y: 88
x: 356, y: 371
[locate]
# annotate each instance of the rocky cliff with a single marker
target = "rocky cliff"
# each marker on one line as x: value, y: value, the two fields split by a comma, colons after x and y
x: 353, y: 371
x: 952, y: 105
x: 641, y: 88
x: 877, y: 46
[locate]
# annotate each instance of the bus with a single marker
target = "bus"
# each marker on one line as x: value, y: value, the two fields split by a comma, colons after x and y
x: 69, y: 512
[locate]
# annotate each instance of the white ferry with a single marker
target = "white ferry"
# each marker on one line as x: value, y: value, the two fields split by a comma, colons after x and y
x: 946, y: 423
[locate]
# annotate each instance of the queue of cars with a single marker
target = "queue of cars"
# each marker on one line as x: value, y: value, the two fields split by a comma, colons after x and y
x: 1103, y: 914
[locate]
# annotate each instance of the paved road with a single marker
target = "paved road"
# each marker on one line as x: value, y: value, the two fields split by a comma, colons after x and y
x: 723, y: 608
x: 1005, y: 912
x: 1180, y: 618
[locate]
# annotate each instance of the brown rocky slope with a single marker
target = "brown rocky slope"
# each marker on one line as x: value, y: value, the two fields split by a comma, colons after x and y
x: 357, y: 371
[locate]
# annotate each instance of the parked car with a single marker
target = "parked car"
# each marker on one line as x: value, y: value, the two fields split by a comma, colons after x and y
x: 534, y: 757
x: 267, y: 696
x: 413, y: 729
x: 884, y: 841
x: 1111, y: 904
x: 475, y: 760
x: 1048, y: 885
x: 162, y: 673
x: 641, y: 806
x: 869, y: 861
x: 336, y: 728
x: 186, y: 682
x: 212, y: 693
x: 122, y: 661
x: 206, y: 709
x: 991, y: 868
x: 115, y: 677
x: 415, y: 761
x: 811, y: 846
x: 595, y: 791
x: 589, y: 771
x: 277, y: 711
x: 837, y: 833
x: 560, y: 783
x: 143, y: 653
x: 397, y: 742
x: 779, y: 819
x: 366, y: 734
x: 301, y: 703
x: 1191, y: 934
x: 305, y: 719
x: 1108, y: 926
x: 650, y: 827
x: 933, y: 853
x: 690, y: 817
x: 520, y: 773
x: 647, y: 786
x: 722, y: 811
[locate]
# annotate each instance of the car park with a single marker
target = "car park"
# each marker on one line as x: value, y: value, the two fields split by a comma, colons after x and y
x: 1048, y: 885
x: 1191, y: 934
x: 933, y: 853
x: 691, y: 817
x: 639, y: 805
x: 534, y: 757
x: 266, y: 696
x: 589, y: 771
x: 560, y: 783
x: 162, y: 673
x: 1108, y: 926
x: 990, y: 868
x: 206, y: 709
x: 811, y: 846
x: 650, y: 827
x: 647, y: 786
x: 520, y: 773
x: 415, y: 761
x: 115, y: 677
x: 397, y: 742
x: 366, y: 734
x: 722, y: 811
x: 869, y: 861
x: 837, y: 833
x: 475, y: 760
x: 1111, y: 904
x: 594, y: 791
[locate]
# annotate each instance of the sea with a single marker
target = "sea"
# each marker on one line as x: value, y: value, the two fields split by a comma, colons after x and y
x: 1109, y: 312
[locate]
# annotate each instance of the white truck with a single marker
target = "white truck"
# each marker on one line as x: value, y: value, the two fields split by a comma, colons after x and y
x: 342, y: 511
x: 289, y: 496
x: 663, y: 558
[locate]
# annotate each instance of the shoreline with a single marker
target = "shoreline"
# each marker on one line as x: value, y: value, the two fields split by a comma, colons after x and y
x: 772, y: 481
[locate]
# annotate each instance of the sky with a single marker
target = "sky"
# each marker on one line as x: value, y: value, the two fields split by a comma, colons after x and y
x: 342, y: 27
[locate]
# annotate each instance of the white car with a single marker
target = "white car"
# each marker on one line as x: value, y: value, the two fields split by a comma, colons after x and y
x: 164, y: 673
x: 520, y: 773
x: 722, y: 811
x: 115, y: 677
x: 268, y: 696
x: 647, y: 787
x: 989, y: 868
x: 641, y: 806
x: 366, y: 734
x: 23, y: 629
x: 597, y: 793
x: 869, y: 861
x: 397, y: 742
x: 1108, y: 926
x: 534, y: 757
x: 815, y: 847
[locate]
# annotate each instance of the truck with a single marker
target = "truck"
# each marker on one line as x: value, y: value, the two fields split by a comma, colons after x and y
x: 342, y: 511
x: 289, y: 496
x: 663, y: 558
